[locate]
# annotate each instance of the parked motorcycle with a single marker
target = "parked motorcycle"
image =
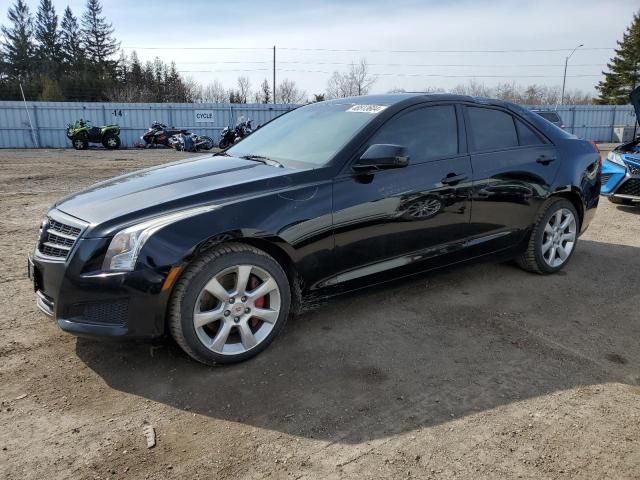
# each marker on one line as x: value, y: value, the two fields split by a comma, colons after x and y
x: 81, y: 133
x: 190, y: 142
x: 159, y: 134
x: 231, y: 135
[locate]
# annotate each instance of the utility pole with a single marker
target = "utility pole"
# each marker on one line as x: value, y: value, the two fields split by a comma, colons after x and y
x: 274, y: 74
x: 33, y: 133
x: 564, y: 77
x: 635, y: 82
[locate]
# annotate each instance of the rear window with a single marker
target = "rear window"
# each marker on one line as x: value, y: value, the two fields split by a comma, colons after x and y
x: 551, y: 116
x: 492, y: 129
x: 526, y: 135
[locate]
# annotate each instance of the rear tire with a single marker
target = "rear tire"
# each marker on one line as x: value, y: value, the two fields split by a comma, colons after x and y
x: 229, y: 304
x: 111, y: 142
x: 551, y: 243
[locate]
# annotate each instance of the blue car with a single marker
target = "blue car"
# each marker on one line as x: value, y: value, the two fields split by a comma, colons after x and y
x: 621, y: 169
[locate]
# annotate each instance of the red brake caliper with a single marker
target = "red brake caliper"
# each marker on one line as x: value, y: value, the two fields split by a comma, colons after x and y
x: 259, y: 303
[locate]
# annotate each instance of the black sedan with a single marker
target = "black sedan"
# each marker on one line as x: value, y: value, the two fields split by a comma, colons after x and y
x: 219, y: 250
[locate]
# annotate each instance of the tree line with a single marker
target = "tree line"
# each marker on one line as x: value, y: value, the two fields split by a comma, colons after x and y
x: 76, y: 58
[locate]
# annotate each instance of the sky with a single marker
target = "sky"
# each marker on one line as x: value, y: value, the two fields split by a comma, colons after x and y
x: 409, y: 44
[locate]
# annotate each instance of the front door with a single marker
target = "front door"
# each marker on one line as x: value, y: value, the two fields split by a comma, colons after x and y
x: 391, y: 218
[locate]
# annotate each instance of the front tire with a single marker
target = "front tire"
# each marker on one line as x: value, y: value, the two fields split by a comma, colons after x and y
x: 229, y: 304
x: 553, y: 239
x: 207, y: 142
x: 80, y: 142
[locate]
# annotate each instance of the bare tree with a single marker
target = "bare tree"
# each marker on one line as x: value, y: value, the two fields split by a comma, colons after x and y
x: 472, y: 88
x: 288, y: 92
x: 244, y: 89
x: 214, y: 92
x: 129, y: 94
x: 357, y: 81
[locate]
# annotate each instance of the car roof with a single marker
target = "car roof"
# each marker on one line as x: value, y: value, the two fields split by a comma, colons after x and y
x: 417, y: 97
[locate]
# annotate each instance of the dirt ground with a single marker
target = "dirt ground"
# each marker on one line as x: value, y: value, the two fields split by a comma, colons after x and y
x: 480, y: 372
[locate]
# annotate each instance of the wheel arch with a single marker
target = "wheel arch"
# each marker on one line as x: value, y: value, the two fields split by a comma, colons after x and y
x: 273, y: 246
x: 574, y: 196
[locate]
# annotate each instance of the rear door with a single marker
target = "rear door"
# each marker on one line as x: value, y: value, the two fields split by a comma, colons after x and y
x: 513, y: 168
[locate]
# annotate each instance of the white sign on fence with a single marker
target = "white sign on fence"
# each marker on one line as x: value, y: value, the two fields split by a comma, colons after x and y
x: 204, y: 116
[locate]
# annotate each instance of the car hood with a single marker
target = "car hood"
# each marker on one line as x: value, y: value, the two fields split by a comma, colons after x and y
x: 206, y: 179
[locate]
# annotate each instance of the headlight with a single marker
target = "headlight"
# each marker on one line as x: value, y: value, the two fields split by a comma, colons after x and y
x: 126, y: 245
x: 616, y: 158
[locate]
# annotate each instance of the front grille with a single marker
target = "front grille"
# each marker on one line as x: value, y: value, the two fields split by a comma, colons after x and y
x: 57, y: 238
x: 64, y: 229
x: 605, y: 177
x: 109, y: 313
x: 630, y: 187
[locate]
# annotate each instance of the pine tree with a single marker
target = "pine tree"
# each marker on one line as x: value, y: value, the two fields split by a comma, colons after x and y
x: 97, y: 37
x: 136, y: 75
x: 18, y: 47
x: 71, y: 43
x: 48, y: 38
x: 624, y: 68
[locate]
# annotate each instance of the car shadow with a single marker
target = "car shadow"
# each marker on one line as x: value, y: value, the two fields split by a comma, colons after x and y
x: 630, y: 208
x: 420, y: 352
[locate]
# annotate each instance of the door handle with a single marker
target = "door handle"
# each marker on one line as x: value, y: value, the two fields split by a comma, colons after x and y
x: 544, y: 160
x: 453, y: 178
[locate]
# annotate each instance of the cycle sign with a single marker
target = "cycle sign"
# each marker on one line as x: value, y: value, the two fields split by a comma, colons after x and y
x: 204, y: 116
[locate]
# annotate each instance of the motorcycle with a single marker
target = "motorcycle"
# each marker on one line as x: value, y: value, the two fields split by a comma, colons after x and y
x: 230, y: 135
x: 190, y: 142
x: 177, y: 138
x: 159, y: 134
x: 81, y: 133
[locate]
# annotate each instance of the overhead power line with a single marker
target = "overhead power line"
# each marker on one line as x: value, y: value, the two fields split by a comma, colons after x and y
x: 396, y: 74
x: 356, y: 50
x: 506, y: 65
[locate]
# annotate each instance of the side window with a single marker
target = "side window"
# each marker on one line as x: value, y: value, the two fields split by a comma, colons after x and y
x: 526, y: 135
x: 492, y: 129
x: 428, y: 133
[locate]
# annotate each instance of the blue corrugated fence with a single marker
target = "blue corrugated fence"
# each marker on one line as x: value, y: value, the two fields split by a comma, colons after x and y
x: 49, y: 119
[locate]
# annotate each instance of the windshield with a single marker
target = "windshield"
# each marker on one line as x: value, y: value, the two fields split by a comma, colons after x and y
x: 312, y: 134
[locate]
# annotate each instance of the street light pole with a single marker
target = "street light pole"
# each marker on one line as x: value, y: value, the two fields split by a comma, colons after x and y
x: 564, y: 77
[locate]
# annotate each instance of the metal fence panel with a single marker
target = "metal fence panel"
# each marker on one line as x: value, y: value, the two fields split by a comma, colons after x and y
x: 593, y: 122
x: 49, y: 119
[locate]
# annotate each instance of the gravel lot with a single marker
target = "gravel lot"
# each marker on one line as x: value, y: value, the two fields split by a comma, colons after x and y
x: 479, y: 372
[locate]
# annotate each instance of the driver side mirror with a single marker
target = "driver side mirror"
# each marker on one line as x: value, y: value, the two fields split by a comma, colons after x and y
x: 382, y: 156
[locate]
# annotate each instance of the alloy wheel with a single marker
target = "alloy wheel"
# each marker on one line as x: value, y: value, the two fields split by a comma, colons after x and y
x: 559, y: 237
x: 237, y: 309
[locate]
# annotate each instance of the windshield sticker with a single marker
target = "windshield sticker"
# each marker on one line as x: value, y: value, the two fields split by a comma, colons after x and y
x: 367, y: 108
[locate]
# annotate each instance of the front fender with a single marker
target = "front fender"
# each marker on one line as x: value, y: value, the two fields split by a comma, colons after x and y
x: 296, y: 221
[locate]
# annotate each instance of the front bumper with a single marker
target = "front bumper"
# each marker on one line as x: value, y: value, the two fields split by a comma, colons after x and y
x: 89, y: 302
x: 619, y: 181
